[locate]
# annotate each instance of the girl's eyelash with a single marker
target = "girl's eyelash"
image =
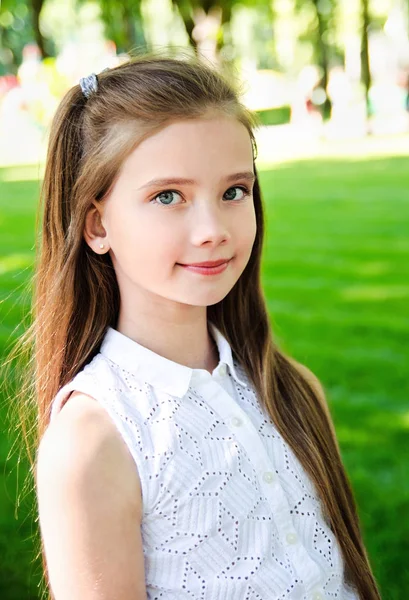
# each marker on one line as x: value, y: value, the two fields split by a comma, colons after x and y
x: 241, y: 187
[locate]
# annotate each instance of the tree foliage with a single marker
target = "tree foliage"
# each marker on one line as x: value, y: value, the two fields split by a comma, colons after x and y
x: 123, y: 23
x: 16, y: 30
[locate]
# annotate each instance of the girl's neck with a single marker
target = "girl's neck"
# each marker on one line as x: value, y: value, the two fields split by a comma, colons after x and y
x: 189, y: 344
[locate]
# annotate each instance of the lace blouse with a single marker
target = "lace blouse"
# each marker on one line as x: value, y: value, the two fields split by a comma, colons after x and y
x: 228, y: 511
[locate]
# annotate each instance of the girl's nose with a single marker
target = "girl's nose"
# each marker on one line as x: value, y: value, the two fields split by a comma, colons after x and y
x: 209, y: 226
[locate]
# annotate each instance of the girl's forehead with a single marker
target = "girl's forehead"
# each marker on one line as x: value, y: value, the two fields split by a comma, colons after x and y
x: 199, y: 131
x: 213, y: 144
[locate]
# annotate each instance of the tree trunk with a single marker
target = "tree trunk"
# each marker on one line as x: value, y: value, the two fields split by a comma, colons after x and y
x: 224, y: 20
x: 133, y: 32
x: 186, y: 12
x: 323, y: 56
x: 36, y: 6
x: 138, y: 30
x: 207, y: 30
x: 224, y: 41
x: 365, y: 67
x: 128, y: 26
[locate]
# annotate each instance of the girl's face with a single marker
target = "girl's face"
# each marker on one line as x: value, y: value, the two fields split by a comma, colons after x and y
x: 203, y: 212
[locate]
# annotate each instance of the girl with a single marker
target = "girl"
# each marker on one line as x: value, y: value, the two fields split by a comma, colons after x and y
x: 182, y: 454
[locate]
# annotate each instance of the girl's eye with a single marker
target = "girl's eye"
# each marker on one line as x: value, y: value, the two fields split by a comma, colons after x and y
x: 238, y: 187
x: 166, y: 197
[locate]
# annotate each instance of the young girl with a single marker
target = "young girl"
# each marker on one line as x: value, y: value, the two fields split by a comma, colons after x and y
x: 182, y: 454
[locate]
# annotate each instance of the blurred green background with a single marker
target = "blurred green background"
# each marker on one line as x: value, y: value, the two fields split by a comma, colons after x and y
x: 329, y: 81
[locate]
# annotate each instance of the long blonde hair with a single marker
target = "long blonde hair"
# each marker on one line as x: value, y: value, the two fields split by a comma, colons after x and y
x: 76, y: 295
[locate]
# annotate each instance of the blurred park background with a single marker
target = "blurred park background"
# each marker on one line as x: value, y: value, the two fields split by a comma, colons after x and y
x: 329, y: 80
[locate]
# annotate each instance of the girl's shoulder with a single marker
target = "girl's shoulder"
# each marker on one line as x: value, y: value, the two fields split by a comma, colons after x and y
x: 82, y: 441
x: 99, y: 379
x: 92, y: 410
x: 84, y: 472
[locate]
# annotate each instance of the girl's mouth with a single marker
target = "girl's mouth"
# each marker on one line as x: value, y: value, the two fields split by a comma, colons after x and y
x: 202, y: 270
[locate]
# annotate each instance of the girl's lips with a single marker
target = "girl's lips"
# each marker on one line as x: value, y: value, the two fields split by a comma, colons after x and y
x: 207, y: 270
x: 207, y: 263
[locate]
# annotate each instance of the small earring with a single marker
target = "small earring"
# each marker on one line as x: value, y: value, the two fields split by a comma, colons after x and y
x: 101, y: 245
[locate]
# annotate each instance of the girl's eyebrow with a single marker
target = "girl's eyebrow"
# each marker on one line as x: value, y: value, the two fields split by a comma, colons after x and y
x: 248, y: 175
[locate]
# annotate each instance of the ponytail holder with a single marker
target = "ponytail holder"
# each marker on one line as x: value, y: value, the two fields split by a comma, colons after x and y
x: 89, y: 84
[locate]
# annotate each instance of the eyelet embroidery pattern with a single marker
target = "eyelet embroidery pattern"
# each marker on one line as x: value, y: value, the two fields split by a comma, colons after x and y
x: 212, y: 528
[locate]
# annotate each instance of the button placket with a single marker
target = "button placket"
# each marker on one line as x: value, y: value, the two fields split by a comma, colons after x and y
x: 249, y: 439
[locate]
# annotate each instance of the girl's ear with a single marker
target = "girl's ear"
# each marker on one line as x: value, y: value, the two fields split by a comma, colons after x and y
x: 94, y: 232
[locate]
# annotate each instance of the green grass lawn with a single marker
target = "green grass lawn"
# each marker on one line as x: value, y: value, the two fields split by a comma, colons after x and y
x: 336, y: 276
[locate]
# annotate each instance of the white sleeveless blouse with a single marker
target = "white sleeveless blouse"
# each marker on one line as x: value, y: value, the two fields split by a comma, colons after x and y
x: 228, y: 511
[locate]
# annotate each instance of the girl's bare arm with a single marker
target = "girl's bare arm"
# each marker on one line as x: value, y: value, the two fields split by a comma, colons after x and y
x: 90, y: 506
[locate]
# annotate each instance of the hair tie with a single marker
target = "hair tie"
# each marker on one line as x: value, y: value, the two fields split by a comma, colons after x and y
x: 89, y: 84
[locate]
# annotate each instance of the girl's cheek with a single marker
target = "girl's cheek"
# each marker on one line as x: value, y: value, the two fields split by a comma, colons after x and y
x: 249, y: 231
